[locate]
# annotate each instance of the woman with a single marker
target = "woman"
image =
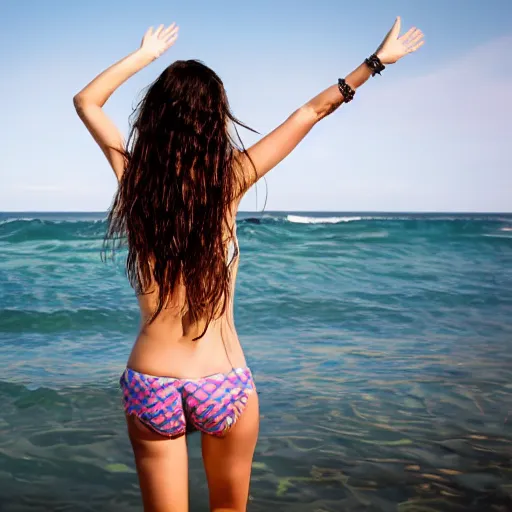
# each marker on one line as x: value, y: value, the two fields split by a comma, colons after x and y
x: 181, y: 178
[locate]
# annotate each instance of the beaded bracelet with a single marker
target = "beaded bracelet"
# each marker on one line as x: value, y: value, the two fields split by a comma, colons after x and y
x: 375, y: 64
x: 346, y: 91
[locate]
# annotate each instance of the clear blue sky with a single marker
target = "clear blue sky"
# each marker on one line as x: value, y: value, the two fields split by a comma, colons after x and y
x: 433, y: 133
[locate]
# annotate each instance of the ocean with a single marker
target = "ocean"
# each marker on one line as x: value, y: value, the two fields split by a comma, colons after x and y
x: 381, y: 346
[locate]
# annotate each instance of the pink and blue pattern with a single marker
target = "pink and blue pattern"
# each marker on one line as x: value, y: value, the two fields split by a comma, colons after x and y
x: 172, y: 407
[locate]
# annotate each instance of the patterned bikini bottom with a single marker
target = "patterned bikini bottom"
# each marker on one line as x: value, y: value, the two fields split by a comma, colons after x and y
x: 172, y: 407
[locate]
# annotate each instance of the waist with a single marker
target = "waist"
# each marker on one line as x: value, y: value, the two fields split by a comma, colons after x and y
x: 165, y: 352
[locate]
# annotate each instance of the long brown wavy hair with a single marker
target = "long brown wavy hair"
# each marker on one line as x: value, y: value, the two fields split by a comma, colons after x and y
x: 183, y: 172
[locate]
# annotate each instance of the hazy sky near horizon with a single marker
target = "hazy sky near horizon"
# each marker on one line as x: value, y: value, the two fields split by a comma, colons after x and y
x: 431, y: 134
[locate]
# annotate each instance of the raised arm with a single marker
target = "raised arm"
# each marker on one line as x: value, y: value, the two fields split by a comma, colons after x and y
x: 90, y: 100
x: 274, y: 147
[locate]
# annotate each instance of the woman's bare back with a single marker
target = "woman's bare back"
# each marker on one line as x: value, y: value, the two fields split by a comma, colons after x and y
x: 168, y: 345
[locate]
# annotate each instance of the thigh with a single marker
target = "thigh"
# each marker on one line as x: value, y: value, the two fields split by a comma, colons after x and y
x: 228, y: 460
x: 162, y: 466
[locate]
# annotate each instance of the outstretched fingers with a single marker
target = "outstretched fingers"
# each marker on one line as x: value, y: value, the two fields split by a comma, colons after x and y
x: 416, y: 46
x: 156, y: 42
x: 408, y: 34
x: 414, y: 41
x: 168, y: 30
x: 415, y: 36
x: 171, y: 37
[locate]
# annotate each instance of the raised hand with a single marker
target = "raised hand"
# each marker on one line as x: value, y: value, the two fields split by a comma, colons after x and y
x: 156, y: 42
x: 394, y: 47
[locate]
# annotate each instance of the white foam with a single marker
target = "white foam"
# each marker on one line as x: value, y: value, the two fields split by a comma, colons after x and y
x: 496, y: 235
x: 16, y: 219
x: 298, y: 219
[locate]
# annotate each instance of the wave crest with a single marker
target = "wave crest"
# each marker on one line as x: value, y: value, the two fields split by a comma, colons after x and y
x: 299, y: 219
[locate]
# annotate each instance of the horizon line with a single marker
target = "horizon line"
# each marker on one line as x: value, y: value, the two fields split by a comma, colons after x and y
x: 439, y: 212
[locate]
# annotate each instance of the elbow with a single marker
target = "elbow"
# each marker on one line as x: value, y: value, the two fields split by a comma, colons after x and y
x: 78, y: 103
x: 309, y: 114
x: 81, y: 104
x: 318, y: 112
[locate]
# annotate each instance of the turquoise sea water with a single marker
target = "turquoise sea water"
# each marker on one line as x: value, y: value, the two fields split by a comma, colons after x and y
x: 381, y: 345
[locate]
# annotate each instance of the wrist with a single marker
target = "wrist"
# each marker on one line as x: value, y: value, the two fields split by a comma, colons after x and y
x: 375, y: 63
x: 145, y: 56
x: 383, y: 59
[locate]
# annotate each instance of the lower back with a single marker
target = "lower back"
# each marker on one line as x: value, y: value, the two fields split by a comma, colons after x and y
x: 168, y: 346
